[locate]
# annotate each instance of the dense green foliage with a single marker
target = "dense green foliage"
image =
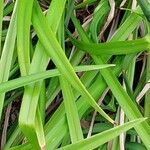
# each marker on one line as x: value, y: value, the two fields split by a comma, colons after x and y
x: 74, y: 75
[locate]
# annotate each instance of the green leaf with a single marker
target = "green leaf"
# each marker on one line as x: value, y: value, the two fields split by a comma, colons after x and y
x: 25, y: 80
x: 8, y: 49
x: 134, y: 146
x: 85, y: 3
x: 101, y: 138
x: 114, y: 48
x: 100, y: 14
x: 26, y: 123
x: 1, y: 21
x: 71, y: 111
x: 72, y: 115
x: 24, y: 14
x: 145, y: 6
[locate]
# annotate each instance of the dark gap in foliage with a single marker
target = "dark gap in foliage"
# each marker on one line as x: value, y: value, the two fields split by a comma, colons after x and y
x: 138, y: 68
x: 71, y: 27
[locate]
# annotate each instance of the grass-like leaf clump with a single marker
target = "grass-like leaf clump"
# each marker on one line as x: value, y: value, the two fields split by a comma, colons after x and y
x: 74, y: 74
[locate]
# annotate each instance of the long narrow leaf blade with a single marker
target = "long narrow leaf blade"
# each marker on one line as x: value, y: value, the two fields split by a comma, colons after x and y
x: 114, y: 48
x: 8, y: 49
x: 25, y: 80
x: 101, y: 138
x: 55, y: 51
